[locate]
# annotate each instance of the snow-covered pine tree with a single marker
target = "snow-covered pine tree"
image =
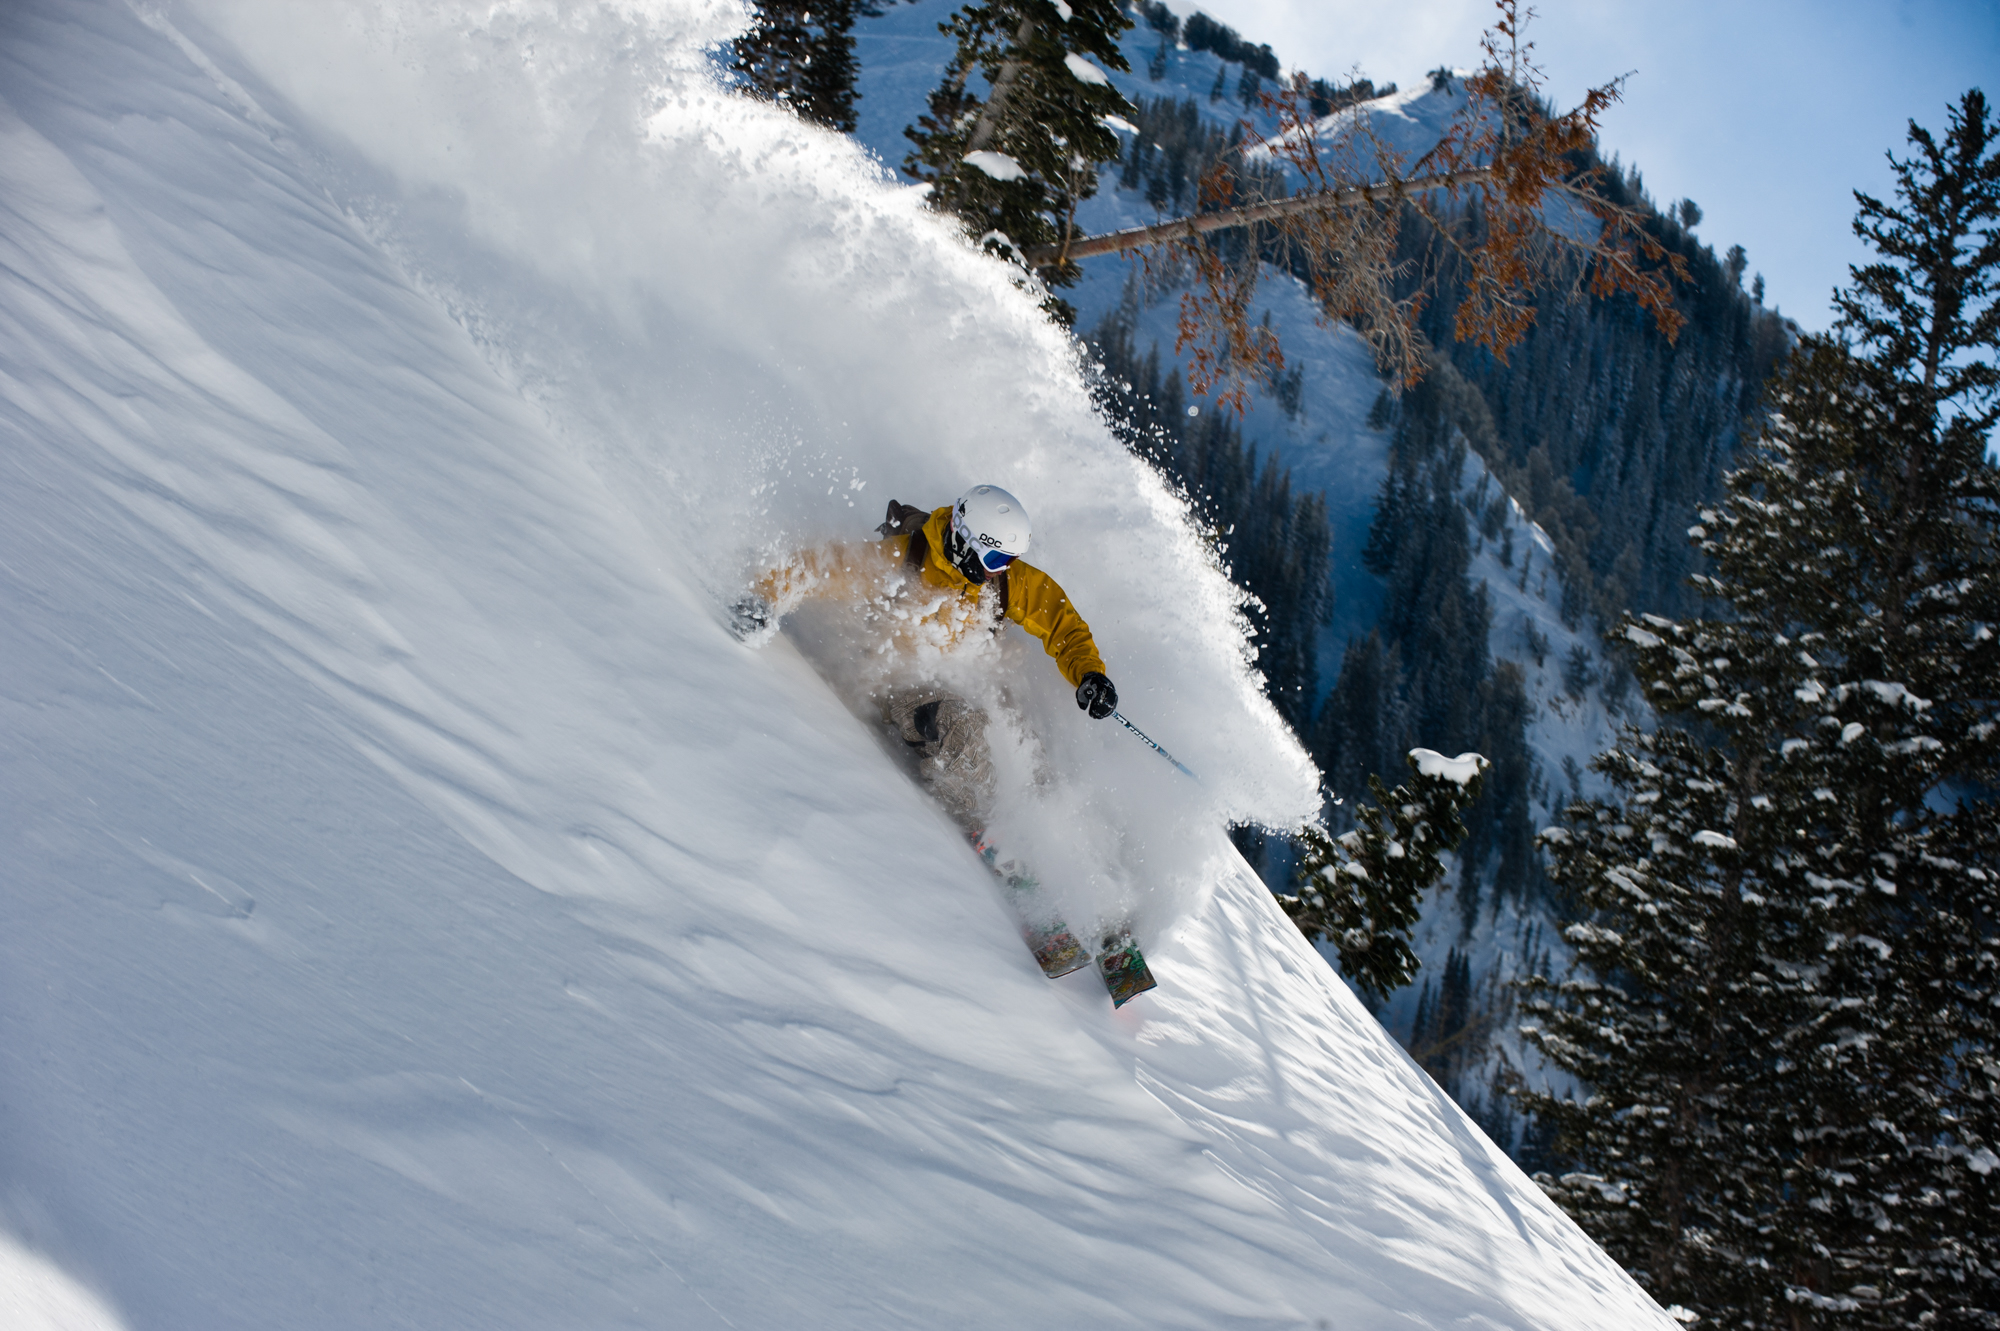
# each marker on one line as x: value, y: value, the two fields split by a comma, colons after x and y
x: 1360, y: 891
x: 1762, y: 948
x: 1819, y: 883
x: 1873, y: 514
x: 1907, y: 502
x: 1668, y: 1014
x: 1013, y: 165
x: 800, y: 53
x: 1871, y: 1061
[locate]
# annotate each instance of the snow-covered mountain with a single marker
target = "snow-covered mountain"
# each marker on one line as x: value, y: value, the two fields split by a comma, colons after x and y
x: 422, y: 913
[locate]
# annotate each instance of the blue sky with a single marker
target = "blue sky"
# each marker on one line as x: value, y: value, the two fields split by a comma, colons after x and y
x: 1767, y: 113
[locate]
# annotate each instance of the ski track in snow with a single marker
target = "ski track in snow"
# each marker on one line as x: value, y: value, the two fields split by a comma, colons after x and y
x: 420, y: 912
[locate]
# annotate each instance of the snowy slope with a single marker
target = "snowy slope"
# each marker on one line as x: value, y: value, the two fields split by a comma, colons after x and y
x: 421, y: 913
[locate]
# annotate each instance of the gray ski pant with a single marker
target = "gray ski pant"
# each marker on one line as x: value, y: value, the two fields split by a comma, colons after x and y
x: 949, y: 736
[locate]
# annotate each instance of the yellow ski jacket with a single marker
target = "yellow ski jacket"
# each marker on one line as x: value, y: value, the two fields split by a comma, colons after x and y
x: 1020, y: 592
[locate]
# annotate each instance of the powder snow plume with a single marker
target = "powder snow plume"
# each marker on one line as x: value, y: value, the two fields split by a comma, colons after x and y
x: 742, y: 319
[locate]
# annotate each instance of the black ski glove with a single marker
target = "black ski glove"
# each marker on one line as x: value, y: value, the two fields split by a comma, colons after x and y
x: 1097, y: 695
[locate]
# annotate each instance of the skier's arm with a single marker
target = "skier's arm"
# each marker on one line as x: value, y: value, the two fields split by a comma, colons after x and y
x: 837, y: 571
x: 1038, y: 604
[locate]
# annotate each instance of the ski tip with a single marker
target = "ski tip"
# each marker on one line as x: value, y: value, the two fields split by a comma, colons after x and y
x: 1057, y: 951
x: 1124, y: 970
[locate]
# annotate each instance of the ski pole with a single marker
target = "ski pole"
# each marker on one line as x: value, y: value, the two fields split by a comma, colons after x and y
x: 1119, y: 717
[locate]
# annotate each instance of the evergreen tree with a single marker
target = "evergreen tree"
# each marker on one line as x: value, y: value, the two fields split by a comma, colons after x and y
x: 1789, y: 958
x: 1359, y: 891
x: 1448, y: 1036
x: 1419, y: 546
x: 1361, y: 726
x: 1013, y: 166
x: 1504, y: 831
x: 801, y: 55
x: 1665, y: 1021
x: 1202, y: 33
x: 1283, y: 556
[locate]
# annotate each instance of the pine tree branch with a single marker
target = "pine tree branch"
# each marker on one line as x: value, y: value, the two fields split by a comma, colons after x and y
x: 1184, y: 228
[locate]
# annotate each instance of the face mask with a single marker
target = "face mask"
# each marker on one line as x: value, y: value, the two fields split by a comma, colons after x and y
x: 964, y: 557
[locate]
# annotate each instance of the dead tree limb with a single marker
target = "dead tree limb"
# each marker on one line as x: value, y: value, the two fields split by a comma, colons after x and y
x: 1271, y: 210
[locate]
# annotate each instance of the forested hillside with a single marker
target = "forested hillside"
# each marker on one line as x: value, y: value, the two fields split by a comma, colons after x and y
x: 1605, y: 430
x: 1609, y: 432
x: 1609, y: 436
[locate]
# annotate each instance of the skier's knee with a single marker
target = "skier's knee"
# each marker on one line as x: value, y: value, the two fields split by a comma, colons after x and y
x: 960, y: 729
x: 941, y: 724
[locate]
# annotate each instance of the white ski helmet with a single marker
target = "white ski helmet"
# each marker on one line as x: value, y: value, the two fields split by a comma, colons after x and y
x: 991, y: 526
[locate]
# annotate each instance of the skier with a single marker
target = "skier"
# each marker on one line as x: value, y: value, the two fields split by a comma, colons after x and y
x: 970, y: 552
x: 936, y: 578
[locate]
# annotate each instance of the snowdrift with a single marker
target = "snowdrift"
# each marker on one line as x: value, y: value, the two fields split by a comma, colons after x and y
x: 421, y: 912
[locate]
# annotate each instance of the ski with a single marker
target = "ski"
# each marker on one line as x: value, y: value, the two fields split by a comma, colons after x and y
x: 1120, y: 963
x: 1055, y: 948
x: 1123, y: 968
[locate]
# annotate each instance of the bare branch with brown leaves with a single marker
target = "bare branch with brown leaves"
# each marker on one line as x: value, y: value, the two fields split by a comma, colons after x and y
x: 1534, y: 161
x: 1507, y: 190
